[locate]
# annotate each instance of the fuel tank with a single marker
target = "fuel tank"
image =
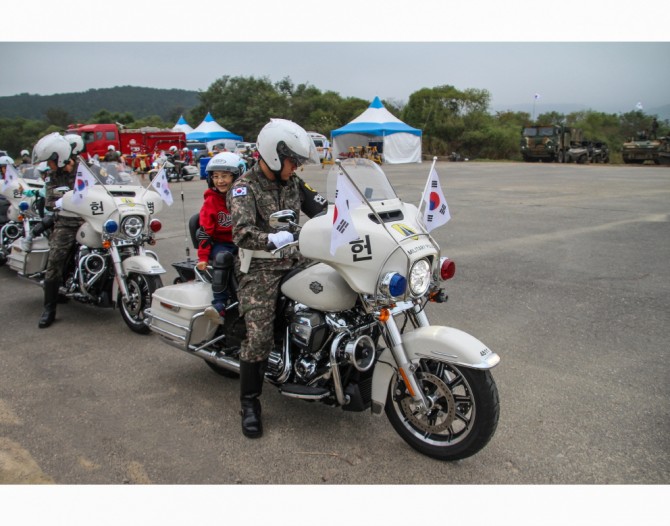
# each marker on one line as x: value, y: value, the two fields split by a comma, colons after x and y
x: 320, y: 287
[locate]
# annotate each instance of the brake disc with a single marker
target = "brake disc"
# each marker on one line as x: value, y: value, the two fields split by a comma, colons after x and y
x: 441, y: 415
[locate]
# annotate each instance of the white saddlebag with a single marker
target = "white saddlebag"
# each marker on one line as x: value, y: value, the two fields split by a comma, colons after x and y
x: 176, y: 313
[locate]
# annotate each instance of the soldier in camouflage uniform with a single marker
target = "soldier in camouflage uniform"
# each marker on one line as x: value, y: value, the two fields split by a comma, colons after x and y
x: 270, y: 186
x: 56, y: 151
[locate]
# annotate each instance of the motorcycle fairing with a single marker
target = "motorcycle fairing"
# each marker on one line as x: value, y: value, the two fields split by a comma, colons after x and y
x: 360, y: 261
x: 439, y: 343
x: 320, y: 287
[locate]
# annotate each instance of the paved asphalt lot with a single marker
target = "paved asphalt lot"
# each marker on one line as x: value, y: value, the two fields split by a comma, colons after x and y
x: 561, y: 269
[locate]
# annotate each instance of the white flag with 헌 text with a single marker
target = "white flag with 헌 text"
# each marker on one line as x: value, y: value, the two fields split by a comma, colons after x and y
x: 160, y: 183
x: 346, y: 198
x: 436, y: 211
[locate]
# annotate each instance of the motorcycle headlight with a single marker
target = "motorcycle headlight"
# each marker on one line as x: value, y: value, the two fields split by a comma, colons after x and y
x: 419, y: 277
x: 132, y: 226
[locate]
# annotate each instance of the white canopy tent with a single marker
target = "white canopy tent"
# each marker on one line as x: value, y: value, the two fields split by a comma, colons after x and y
x: 182, y: 126
x: 211, y: 132
x: 399, y: 142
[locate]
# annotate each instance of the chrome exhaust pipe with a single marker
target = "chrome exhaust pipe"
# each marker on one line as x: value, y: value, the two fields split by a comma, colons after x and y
x: 218, y: 359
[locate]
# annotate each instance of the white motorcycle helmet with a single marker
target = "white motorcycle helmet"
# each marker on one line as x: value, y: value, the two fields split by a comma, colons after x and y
x: 173, y: 149
x: 224, y: 162
x: 52, y: 147
x: 5, y: 160
x: 111, y: 148
x: 25, y: 152
x: 76, y: 143
x: 280, y: 139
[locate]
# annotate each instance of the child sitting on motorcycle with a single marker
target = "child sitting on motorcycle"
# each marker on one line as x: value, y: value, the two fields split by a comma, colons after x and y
x: 216, y: 227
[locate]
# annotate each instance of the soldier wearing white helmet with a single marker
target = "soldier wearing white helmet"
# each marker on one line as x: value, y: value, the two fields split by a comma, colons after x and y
x: 76, y: 143
x: 270, y: 186
x: 56, y: 151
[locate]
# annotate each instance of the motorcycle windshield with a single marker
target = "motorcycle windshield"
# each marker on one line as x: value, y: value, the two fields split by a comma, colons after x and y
x: 29, y: 172
x: 116, y: 173
x: 368, y: 177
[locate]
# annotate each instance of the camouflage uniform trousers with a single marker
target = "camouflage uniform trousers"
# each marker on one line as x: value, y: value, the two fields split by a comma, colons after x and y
x: 61, y: 242
x: 257, y: 293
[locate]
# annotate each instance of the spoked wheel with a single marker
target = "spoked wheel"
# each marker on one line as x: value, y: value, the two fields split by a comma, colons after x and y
x: 463, y: 416
x: 140, y: 290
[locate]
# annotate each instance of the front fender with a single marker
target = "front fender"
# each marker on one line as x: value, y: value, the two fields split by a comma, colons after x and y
x: 443, y: 344
x: 138, y: 265
x: 142, y: 265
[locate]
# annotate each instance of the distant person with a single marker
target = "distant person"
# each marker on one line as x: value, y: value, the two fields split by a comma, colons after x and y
x: 187, y: 156
x: 112, y: 156
x: 25, y: 157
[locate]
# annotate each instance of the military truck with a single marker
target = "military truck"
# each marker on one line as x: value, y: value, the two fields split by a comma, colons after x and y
x: 641, y: 148
x: 548, y: 142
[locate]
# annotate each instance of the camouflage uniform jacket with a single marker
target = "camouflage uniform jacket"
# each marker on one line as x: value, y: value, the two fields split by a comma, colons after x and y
x: 251, y: 201
x: 55, y: 180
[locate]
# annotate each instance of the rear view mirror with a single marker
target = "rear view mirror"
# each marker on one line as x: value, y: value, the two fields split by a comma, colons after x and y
x: 283, y: 219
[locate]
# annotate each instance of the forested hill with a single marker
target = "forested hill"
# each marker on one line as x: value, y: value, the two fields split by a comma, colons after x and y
x: 140, y: 102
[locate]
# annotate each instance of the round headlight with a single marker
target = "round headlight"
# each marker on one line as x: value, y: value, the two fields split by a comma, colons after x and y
x: 110, y: 226
x: 132, y: 226
x: 23, y: 206
x: 419, y: 277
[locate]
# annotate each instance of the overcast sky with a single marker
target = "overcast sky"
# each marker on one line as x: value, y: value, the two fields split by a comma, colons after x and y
x: 388, y: 52
x: 601, y: 76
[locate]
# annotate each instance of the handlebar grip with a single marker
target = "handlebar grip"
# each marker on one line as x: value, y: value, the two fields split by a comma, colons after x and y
x: 271, y: 246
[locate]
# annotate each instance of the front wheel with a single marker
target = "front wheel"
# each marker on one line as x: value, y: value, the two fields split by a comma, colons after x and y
x: 140, y: 289
x: 463, y: 418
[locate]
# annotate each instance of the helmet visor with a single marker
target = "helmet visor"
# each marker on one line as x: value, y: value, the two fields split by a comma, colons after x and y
x: 297, y: 159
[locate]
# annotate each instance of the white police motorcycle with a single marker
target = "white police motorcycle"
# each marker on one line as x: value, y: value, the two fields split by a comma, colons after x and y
x: 24, y: 211
x: 352, y: 329
x: 109, y: 265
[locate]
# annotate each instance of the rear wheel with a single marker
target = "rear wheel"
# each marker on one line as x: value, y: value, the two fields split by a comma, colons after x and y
x: 463, y: 418
x: 140, y: 290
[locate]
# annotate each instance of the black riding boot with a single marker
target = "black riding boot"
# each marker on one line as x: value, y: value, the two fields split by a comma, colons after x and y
x: 50, y: 302
x: 251, y: 386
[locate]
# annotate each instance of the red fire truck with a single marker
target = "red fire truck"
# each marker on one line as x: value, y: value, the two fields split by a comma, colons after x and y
x: 137, y: 146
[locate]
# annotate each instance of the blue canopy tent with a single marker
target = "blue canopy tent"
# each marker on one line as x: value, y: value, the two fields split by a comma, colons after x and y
x: 211, y: 132
x: 182, y: 126
x: 400, y: 142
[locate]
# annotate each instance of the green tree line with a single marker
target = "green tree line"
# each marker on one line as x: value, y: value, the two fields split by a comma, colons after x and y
x: 452, y: 120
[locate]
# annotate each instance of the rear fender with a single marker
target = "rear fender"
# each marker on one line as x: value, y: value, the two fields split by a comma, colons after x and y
x: 443, y: 344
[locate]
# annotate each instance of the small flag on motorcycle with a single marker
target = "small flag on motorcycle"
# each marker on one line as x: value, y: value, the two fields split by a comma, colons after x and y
x: 10, y: 175
x: 160, y: 183
x: 346, y: 198
x: 83, y: 179
x: 436, y: 210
